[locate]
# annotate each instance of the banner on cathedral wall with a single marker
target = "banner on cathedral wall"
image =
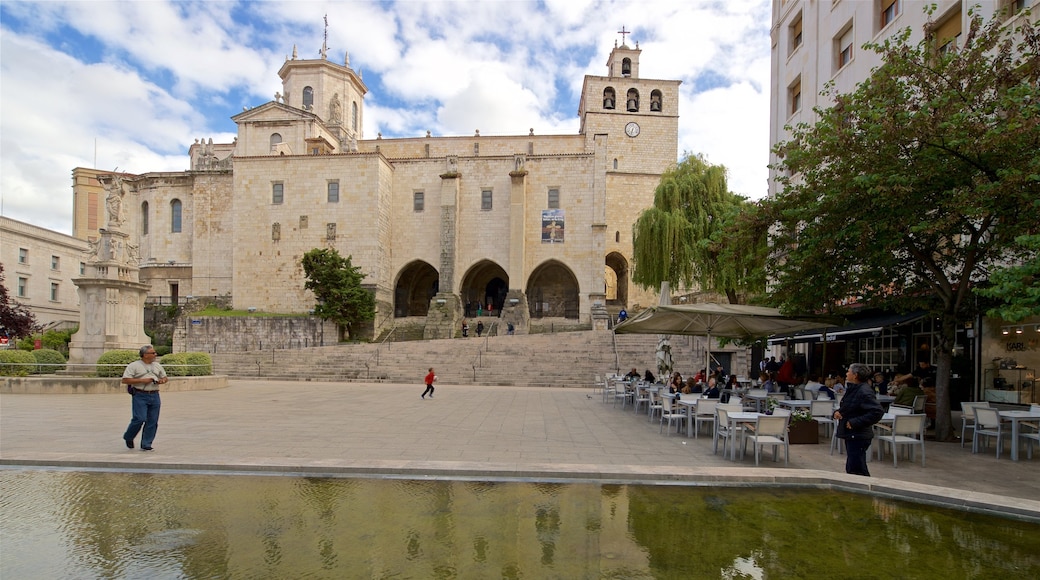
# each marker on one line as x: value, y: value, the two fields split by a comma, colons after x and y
x: 552, y: 226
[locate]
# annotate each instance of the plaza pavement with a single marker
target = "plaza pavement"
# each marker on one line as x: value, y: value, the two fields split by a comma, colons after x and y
x: 363, y: 429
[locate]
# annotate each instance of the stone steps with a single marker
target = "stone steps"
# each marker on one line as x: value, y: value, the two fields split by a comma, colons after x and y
x: 571, y: 359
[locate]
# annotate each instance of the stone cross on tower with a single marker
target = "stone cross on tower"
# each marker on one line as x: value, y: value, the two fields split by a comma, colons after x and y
x: 623, y: 32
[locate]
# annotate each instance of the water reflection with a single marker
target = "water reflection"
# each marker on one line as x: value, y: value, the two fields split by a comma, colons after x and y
x: 58, y: 524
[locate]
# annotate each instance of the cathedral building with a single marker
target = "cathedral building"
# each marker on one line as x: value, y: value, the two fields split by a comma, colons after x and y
x: 530, y: 227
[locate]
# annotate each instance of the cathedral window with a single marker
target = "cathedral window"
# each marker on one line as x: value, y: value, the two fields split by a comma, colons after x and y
x: 485, y: 199
x: 609, y: 98
x: 554, y: 198
x: 418, y: 201
x: 333, y: 192
x: 632, y: 101
x: 276, y: 138
x: 277, y: 192
x: 626, y: 67
x: 308, y: 98
x: 175, y: 216
x: 276, y: 231
x: 353, y: 115
x: 144, y: 218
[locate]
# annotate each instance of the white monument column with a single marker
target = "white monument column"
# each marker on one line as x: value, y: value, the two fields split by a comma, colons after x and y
x: 111, y: 296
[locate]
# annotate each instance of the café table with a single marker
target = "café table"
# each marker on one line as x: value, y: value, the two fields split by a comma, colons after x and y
x: 739, y: 420
x: 795, y: 404
x: 759, y: 399
x: 1015, y: 417
x: 688, y: 403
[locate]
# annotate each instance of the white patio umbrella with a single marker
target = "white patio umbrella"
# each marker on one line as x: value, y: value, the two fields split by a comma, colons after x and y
x: 717, y: 320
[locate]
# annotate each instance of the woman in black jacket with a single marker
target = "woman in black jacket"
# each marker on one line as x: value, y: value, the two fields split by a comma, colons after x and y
x: 855, y: 418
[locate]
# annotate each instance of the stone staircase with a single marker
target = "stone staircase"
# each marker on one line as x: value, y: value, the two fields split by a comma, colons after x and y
x: 567, y: 359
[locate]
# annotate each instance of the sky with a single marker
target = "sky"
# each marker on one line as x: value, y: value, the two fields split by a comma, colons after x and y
x: 129, y: 86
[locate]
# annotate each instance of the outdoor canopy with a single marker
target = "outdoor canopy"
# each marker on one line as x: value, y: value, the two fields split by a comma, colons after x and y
x: 717, y: 320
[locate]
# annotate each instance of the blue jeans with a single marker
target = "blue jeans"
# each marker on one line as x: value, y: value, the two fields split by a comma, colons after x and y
x: 146, y: 413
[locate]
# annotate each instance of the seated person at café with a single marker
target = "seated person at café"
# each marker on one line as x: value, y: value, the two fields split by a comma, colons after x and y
x: 908, y: 393
x: 828, y: 389
x: 649, y: 377
x: 768, y: 380
x: 813, y: 385
x: 676, y: 385
x: 632, y: 374
x: 700, y: 376
x: 692, y: 386
x: 880, y: 383
x: 712, y: 392
x: 732, y: 383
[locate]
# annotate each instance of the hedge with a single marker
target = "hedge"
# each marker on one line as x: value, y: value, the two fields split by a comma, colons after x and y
x: 115, y: 357
x: 50, y: 361
x: 196, y: 364
x: 24, y: 363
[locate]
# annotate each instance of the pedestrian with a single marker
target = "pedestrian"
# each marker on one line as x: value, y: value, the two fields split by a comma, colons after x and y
x: 854, y: 420
x: 465, y: 329
x: 510, y: 329
x: 480, y: 309
x: 142, y: 378
x: 480, y: 328
x: 430, y: 379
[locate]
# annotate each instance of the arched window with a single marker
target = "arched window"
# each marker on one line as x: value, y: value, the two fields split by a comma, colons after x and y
x: 609, y: 98
x: 617, y: 236
x: 276, y: 138
x: 632, y: 100
x: 615, y: 163
x: 655, y: 100
x: 144, y: 218
x: 353, y: 115
x: 175, y: 216
x: 308, y: 98
x: 626, y: 67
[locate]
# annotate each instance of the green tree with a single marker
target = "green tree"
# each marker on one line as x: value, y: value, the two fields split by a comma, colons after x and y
x: 15, y: 319
x: 336, y: 283
x: 910, y: 189
x: 688, y: 236
x: 1017, y: 287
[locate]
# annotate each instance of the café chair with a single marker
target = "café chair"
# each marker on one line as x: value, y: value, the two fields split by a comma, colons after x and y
x: 988, y: 424
x: 907, y: 430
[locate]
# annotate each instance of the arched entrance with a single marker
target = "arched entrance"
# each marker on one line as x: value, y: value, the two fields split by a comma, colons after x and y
x: 616, y: 280
x: 552, y: 290
x: 485, y: 283
x: 416, y: 285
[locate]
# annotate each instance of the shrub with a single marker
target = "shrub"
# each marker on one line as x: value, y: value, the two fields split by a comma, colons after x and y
x: 163, y: 350
x: 188, y: 364
x: 50, y: 361
x: 16, y: 363
x: 118, y: 359
x: 52, y: 339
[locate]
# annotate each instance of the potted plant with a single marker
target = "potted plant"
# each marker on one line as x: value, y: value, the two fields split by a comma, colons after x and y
x: 803, y: 429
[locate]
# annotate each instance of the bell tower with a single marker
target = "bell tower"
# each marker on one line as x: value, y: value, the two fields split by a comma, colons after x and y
x: 333, y: 92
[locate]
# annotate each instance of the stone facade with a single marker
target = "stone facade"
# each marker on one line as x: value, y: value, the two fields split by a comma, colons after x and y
x: 39, y: 267
x: 542, y: 220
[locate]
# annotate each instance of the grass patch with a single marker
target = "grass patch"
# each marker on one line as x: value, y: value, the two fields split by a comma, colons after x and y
x: 217, y: 311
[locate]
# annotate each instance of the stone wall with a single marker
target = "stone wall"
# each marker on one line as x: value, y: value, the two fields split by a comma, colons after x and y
x: 237, y: 334
x: 59, y: 385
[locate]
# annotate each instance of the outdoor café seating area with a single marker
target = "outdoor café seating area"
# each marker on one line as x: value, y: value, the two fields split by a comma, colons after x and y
x: 748, y: 421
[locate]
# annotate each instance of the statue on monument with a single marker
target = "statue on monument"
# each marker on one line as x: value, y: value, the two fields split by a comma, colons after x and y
x: 335, y: 110
x: 117, y: 189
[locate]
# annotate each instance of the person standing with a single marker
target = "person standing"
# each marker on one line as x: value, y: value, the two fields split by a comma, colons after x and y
x: 480, y: 328
x: 857, y: 413
x: 430, y: 379
x: 143, y: 378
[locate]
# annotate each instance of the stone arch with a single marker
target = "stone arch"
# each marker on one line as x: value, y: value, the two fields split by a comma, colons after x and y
x: 632, y: 101
x: 609, y: 98
x: 416, y: 285
x: 308, y: 98
x: 626, y: 67
x: 552, y: 290
x: 616, y: 270
x: 656, y: 98
x: 484, y: 282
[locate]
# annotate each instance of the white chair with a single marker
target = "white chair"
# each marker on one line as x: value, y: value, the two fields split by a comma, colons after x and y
x: 669, y: 413
x: 823, y: 412
x: 769, y: 430
x: 705, y: 414
x: 1030, y: 437
x: 907, y: 430
x: 988, y: 424
x: 642, y: 395
x: 724, y: 431
x: 918, y: 404
x: 621, y: 393
x: 654, y: 407
x: 968, y: 417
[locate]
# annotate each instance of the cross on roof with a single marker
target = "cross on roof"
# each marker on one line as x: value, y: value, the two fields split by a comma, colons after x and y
x: 623, y: 32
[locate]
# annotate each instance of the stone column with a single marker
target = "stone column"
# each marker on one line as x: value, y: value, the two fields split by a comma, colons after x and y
x: 515, y: 310
x: 445, y: 311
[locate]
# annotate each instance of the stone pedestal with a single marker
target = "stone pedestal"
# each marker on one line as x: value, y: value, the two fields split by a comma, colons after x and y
x: 600, y: 316
x: 516, y: 311
x: 111, y: 300
x: 444, y: 316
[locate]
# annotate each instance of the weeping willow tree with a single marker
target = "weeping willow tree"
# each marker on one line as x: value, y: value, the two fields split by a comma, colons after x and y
x: 696, y: 233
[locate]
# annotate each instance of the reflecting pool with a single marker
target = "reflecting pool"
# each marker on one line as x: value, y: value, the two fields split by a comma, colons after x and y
x: 64, y: 524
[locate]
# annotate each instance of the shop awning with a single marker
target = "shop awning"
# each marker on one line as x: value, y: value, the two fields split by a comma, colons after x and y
x: 865, y: 326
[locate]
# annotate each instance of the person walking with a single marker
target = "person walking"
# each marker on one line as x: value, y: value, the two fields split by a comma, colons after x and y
x: 143, y: 378
x: 430, y: 379
x: 480, y: 329
x: 857, y: 413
